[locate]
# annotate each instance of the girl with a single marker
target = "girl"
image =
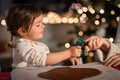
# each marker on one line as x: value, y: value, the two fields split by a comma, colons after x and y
x: 25, y: 24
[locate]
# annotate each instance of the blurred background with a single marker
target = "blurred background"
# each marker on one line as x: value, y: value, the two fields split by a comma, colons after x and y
x: 67, y: 21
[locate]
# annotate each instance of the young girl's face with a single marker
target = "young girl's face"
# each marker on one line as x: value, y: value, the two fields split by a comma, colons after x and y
x: 36, y: 31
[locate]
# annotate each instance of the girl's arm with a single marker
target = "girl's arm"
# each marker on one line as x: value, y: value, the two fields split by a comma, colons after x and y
x: 56, y: 57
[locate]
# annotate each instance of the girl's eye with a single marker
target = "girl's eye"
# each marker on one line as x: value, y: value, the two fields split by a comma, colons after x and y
x: 37, y: 25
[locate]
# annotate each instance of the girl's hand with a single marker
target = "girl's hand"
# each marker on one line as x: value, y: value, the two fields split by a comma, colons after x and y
x: 74, y: 61
x: 75, y: 51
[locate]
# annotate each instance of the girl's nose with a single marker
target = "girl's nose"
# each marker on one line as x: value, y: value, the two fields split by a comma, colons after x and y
x: 43, y: 26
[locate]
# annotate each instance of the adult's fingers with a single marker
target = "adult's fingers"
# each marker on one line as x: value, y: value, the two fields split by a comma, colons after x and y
x: 112, y: 60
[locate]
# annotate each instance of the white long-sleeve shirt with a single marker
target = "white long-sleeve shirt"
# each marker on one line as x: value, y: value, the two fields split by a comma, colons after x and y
x: 27, y: 53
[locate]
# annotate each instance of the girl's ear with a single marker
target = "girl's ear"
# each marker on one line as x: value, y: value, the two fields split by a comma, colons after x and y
x: 21, y: 31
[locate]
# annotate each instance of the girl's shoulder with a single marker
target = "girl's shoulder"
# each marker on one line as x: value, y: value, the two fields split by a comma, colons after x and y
x: 40, y: 43
x: 22, y: 43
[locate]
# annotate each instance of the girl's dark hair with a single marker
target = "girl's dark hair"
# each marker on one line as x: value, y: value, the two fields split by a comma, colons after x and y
x: 21, y: 15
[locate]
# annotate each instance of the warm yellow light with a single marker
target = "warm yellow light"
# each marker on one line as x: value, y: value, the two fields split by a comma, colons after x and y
x: 97, y: 16
x: 64, y: 20
x: 89, y: 6
x: 92, y: 11
x: 56, y: 16
x: 118, y: 5
x: 75, y: 20
x: 91, y: 54
x: 84, y: 15
x: 84, y: 9
x: 45, y: 20
x: 80, y: 33
x: 112, y: 12
x: 50, y: 14
x: 80, y: 11
x: 83, y: 19
x: 3, y: 22
x: 97, y: 22
x: 70, y: 20
x: 52, y: 21
x: 67, y: 45
x: 118, y: 19
x: 103, y: 20
x: 111, y: 39
x: 58, y: 20
x: 102, y: 11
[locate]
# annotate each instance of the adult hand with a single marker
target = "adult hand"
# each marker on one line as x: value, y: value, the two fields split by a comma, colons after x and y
x: 95, y: 42
x: 113, y: 60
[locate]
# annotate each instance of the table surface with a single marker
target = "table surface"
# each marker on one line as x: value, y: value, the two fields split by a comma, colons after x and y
x: 30, y: 73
